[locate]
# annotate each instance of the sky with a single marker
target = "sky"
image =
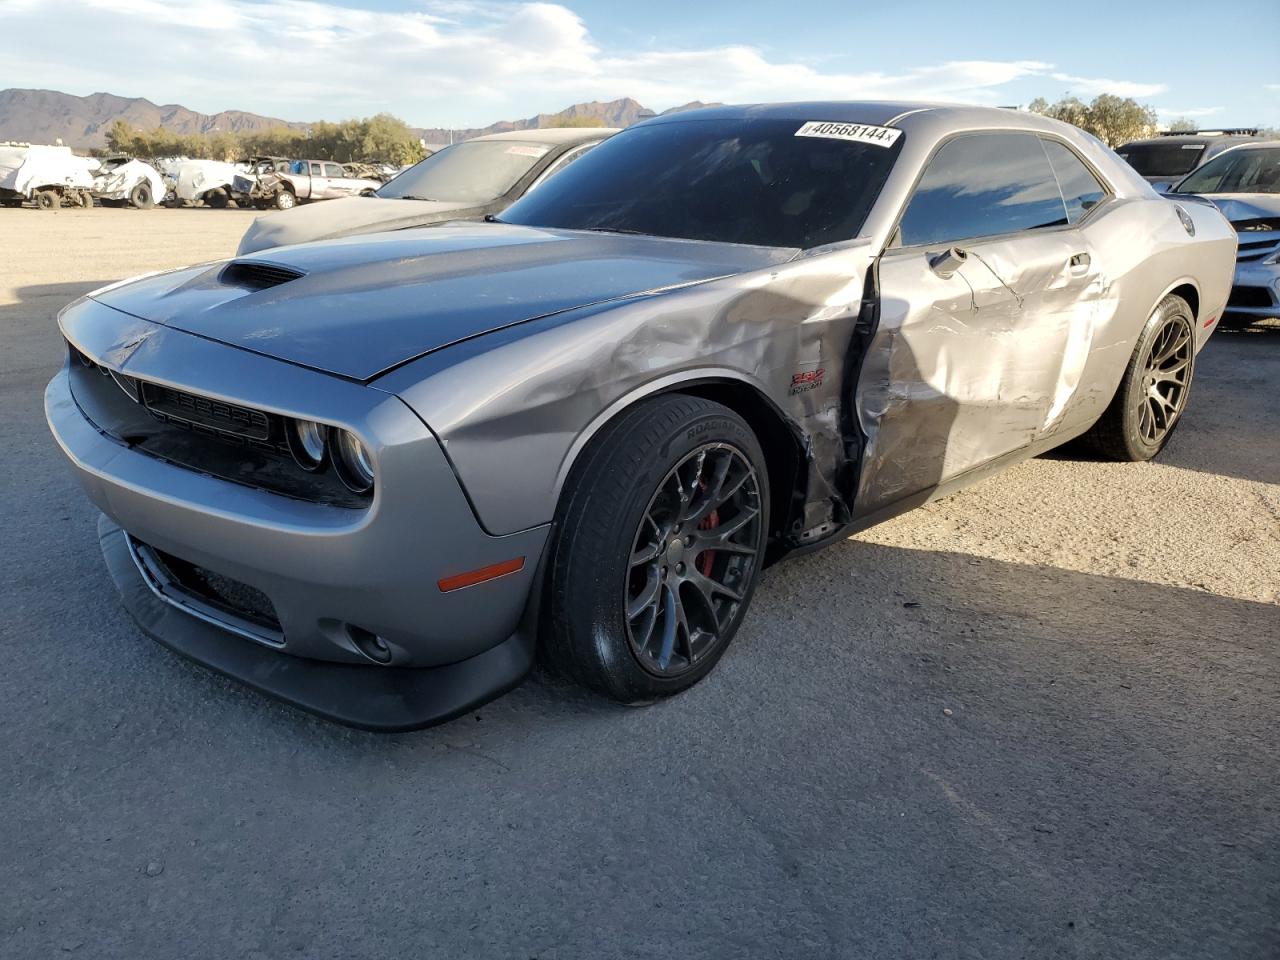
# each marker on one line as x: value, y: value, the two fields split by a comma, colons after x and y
x: 457, y: 63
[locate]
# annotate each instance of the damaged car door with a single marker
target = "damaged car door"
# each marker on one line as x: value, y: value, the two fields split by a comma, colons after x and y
x: 986, y: 295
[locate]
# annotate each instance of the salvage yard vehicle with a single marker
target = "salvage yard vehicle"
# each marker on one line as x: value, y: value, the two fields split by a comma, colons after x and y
x: 48, y: 177
x: 1164, y: 160
x: 1244, y: 183
x: 370, y: 476
x: 466, y: 181
x: 124, y: 180
x: 307, y: 180
x: 200, y: 181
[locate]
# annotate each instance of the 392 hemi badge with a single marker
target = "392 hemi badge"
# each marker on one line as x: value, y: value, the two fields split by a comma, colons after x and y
x: 857, y: 132
x: 806, y: 380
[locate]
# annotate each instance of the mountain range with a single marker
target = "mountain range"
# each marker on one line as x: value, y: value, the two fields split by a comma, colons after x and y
x: 47, y: 116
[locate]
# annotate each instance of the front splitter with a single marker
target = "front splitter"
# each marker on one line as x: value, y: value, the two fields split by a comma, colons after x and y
x: 384, y: 699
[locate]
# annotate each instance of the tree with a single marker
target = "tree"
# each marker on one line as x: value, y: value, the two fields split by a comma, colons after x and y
x: 383, y: 138
x: 1182, y: 125
x: 1113, y: 120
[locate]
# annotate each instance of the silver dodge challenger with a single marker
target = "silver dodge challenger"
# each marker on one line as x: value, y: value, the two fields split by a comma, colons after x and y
x: 375, y: 476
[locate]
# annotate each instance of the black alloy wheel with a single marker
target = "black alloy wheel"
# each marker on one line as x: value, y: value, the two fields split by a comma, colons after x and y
x: 659, y: 541
x: 1165, y: 379
x: 1152, y: 396
x: 695, y: 550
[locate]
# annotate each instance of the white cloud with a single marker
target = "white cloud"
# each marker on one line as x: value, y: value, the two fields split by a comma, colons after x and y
x: 446, y: 62
x: 1092, y: 86
x: 1188, y: 113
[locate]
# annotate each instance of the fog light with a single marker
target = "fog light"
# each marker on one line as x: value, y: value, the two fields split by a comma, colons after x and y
x: 369, y: 643
x: 351, y: 457
x: 307, y: 443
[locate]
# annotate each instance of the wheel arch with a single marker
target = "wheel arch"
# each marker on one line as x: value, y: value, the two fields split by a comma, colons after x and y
x: 1188, y: 290
x: 781, y: 438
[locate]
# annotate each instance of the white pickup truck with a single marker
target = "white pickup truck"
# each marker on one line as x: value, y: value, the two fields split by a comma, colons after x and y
x: 305, y: 180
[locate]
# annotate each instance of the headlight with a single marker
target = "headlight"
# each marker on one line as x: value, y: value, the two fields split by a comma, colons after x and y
x: 352, y: 460
x: 307, y: 443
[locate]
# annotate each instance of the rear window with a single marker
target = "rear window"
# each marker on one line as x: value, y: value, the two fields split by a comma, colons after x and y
x: 1162, y: 159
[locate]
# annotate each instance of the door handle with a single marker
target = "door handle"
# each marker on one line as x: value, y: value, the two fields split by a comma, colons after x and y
x: 1080, y: 262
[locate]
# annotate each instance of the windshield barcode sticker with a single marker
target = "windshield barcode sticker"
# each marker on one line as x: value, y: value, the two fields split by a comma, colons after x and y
x: 857, y: 132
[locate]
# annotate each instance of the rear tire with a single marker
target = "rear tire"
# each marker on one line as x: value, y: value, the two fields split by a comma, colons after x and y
x: 217, y: 199
x: 1149, y: 402
x: 142, y: 197
x: 46, y: 200
x: 659, y: 542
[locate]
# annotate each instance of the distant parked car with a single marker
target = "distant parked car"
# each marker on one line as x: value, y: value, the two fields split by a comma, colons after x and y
x: 1244, y: 183
x: 303, y: 180
x: 203, y: 181
x: 1166, y: 159
x: 123, y: 180
x: 47, y: 176
x: 466, y: 181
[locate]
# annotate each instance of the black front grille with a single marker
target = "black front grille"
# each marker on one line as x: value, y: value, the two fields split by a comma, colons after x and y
x: 253, y: 275
x: 1249, y: 297
x: 225, y: 440
x: 216, y: 415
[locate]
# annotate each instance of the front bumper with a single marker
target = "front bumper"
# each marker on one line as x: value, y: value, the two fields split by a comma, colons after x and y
x: 383, y: 699
x: 1255, y: 284
x: 325, y: 569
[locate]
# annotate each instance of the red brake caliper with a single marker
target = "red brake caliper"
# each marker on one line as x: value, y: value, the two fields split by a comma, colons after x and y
x: 707, y: 558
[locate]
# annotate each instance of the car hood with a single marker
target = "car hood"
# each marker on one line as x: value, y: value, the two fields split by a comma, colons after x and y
x: 1242, y: 206
x: 346, y: 217
x: 363, y: 305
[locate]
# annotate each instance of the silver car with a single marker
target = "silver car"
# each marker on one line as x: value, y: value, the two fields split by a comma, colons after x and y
x: 1244, y: 183
x: 374, y: 476
x: 466, y: 181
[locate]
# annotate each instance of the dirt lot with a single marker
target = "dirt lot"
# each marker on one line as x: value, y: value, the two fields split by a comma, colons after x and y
x: 1037, y: 719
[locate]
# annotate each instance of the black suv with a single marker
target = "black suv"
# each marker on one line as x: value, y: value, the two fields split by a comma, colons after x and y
x: 1168, y: 158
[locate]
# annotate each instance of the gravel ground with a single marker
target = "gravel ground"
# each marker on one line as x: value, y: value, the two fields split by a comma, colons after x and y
x: 1037, y: 719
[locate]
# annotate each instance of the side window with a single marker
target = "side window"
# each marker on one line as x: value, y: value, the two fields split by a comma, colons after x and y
x: 983, y: 185
x: 334, y: 170
x: 317, y: 170
x: 1080, y: 188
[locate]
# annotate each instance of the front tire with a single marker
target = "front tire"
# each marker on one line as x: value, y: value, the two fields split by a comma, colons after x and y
x: 1149, y: 402
x: 46, y: 200
x: 285, y: 200
x: 660, y: 540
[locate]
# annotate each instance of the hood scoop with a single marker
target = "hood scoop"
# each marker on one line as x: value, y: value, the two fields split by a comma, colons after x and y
x: 255, y: 275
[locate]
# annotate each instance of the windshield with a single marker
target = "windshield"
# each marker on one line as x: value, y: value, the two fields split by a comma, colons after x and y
x: 1162, y: 159
x: 1237, y: 171
x: 475, y: 171
x: 735, y: 181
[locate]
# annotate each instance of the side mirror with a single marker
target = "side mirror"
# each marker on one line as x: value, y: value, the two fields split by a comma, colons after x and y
x: 946, y: 263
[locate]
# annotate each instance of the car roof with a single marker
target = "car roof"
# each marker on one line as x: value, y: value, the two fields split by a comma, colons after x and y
x: 553, y: 135
x: 933, y: 120
x: 1193, y: 138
